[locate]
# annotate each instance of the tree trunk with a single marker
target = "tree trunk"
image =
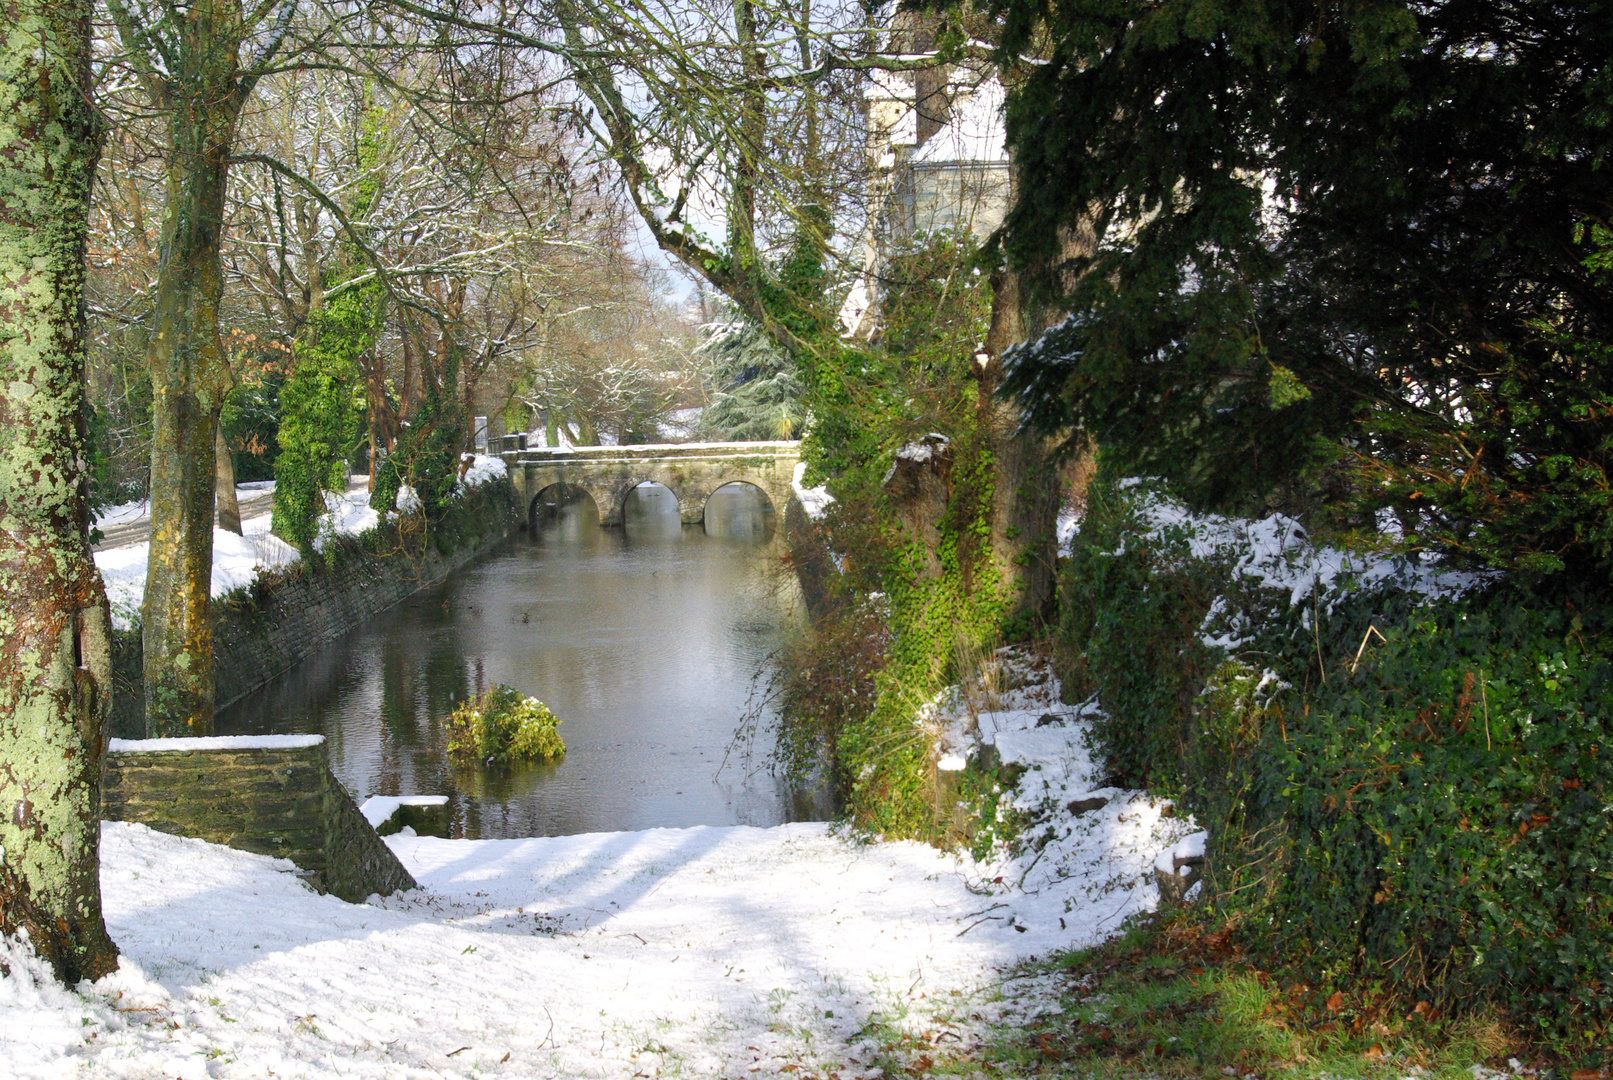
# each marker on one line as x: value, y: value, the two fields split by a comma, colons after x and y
x: 55, y: 658
x: 188, y: 375
x: 1026, y: 492
x: 228, y: 514
x: 1029, y: 488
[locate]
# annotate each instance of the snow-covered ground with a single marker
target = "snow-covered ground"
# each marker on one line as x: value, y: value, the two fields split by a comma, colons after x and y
x: 699, y: 952
x: 238, y: 560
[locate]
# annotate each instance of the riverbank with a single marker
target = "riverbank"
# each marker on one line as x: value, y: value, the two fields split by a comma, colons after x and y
x: 271, y: 608
x: 791, y: 951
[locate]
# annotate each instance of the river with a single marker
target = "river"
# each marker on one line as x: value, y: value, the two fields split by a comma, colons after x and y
x: 647, y: 641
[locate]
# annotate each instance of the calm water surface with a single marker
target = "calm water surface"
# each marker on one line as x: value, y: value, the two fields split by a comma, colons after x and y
x: 644, y: 640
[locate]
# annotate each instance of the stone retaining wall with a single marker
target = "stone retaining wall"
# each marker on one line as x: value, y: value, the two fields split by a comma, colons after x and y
x: 273, y: 796
x: 261, y: 631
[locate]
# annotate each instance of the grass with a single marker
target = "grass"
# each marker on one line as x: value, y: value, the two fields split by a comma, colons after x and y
x: 1172, y: 999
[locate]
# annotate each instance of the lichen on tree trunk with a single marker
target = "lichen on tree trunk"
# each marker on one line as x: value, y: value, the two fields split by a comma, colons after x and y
x: 55, y: 657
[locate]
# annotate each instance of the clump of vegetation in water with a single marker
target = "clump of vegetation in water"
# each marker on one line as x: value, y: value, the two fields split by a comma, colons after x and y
x: 504, y: 726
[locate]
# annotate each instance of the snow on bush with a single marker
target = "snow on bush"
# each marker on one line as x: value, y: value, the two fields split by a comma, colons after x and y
x: 484, y: 469
x: 814, y: 500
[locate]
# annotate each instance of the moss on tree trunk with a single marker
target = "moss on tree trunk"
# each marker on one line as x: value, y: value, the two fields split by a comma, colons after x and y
x: 55, y: 659
x: 202, y: 96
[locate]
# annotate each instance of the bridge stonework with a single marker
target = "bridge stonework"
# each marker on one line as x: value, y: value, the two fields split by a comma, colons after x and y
x: 691, y: 470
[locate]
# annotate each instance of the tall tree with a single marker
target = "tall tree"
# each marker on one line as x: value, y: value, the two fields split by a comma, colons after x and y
x: 55, y: 660
x: 189, y: 58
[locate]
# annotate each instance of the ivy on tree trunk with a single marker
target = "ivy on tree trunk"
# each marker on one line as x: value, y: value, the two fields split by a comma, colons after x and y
x: 55, y: 660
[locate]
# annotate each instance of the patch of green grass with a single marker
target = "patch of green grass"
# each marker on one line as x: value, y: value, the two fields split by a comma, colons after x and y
x: 1172, y: 999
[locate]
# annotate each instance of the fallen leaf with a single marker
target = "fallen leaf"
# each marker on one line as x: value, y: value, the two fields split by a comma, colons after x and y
x: 1374, y: 1052
x: 1336, y: 1002
x: 1588, y: 1074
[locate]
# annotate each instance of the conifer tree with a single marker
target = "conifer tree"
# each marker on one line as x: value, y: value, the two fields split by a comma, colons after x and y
x: 1344, y: 251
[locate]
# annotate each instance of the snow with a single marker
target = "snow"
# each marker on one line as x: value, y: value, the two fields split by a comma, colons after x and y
x: 1069, y: 523
x: 484, y: 469
x: 217, y: 742
x: 704, y: 951
x: 974, y: 132
x: 1276, y: 553
x: 407, y: 502
x: 123, y: 513
x: 378, y: 809
x: 346, y: 514
x: 1188, y: 847
x: 814, y: 500
x: 237, y: 561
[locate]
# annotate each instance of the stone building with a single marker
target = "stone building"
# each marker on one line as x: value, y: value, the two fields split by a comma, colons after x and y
x: 935, y: 144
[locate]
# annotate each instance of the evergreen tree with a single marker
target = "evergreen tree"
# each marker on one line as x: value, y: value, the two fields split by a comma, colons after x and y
x: 322, y: 413
x: 756, y: 392
x: 1346, y: 250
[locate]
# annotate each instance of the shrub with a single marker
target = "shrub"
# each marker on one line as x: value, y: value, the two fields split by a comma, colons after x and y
x: 503, y: 726
x: 1448, y: 813
x: 1398, y: 789
x: 1133, y: 599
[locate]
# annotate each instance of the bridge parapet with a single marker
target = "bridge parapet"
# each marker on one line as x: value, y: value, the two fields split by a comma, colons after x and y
x: 691, y: 470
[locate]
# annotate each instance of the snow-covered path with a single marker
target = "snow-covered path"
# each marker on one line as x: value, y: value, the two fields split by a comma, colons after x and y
x: 706, y: 952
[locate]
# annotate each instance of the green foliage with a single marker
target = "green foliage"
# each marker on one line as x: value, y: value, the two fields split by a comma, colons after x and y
x: 322, y: 413
x: 939, y: 596
x: 1399, y: 791
x: 107, y: 486
x: 942, y: 600
x: 427, y: 453
x: 118, y: 427
x: 757, y: 393
x: 1131, y: 604
x: 1348, y: 252
x: 502, y: 727
x: 251, y: 417
x: 1449, y: 816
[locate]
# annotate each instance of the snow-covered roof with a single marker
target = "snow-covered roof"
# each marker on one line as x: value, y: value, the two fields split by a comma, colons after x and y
x: 974, y: 133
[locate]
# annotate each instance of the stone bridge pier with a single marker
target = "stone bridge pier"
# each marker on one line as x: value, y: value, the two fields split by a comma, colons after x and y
x: 692, y: 471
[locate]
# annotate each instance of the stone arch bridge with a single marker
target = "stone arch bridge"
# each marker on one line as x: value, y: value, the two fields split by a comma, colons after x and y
x: 691, y: 470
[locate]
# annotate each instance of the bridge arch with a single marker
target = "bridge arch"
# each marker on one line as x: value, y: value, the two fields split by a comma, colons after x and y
x: 652, y: 489
x: 716, y: 512
x: 548, y: 503
x: 691, y: 471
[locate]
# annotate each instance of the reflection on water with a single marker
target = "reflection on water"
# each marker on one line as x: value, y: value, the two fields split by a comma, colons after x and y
x: 643, y: 640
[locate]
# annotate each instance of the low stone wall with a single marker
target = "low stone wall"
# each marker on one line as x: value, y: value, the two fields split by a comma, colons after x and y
x: 273, y: 795
x: 261, y: 631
